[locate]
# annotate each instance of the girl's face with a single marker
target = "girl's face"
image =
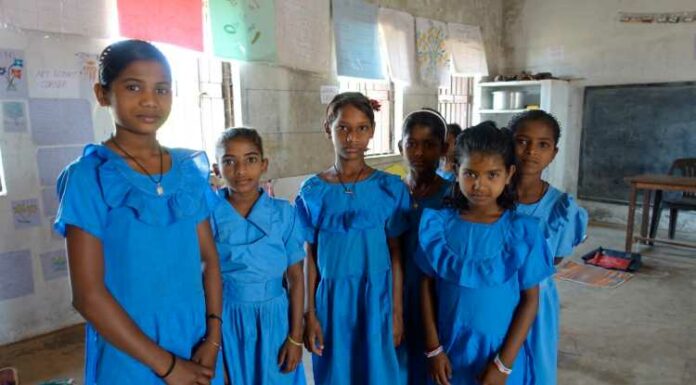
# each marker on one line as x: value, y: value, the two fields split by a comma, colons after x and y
x: 422, y: 150
x: 242, y: 165
x: 482, y: 178
x: 535, y: 147
x: 351, y: 132
x: 140, y: 97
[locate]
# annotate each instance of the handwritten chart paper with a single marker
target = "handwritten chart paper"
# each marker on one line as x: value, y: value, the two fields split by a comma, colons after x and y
x: 468, y: 53
x: 244, y: 29
x: 357, y: 39
x: 432, y: 54
x: 16, y: 276
x: 54, y: 83
x: 61, y: 121
x: 25, y: 214
x: 304, y: 41
x: 13, y: 83
x: 14, y: 116
x: 178, y: 22
x: 398, y: 30
x: 80, y: 17
x: 54, y: 265
x: 52, y: 160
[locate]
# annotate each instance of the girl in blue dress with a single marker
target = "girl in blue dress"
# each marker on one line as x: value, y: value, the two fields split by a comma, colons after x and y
x: 483, y: 263
x: 143, y: 265
x: 422, y: 146
x: 446, y: 170
x: 353, y: 216
x: 259, y: 241
x: 563, y: 222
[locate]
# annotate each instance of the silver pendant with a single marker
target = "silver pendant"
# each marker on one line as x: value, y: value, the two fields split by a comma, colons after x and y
x: 160, y: 189
x: 349, y: 192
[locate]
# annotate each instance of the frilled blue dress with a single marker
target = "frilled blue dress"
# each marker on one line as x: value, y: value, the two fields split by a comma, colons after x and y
x: 480, y: 270
x: 449, y: 176
x: 254, y: 254
x: 564, y: 224
x: 354, y: 296
x: 152, y: 259
x: 411, y: 357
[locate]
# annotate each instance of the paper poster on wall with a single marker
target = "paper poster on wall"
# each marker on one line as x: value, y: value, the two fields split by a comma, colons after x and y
x: 13, y: 83
x: 54, y: 83
x: 327, y: 93
x: 61, y: 121
x: 88, y: 64
x: 432, y: 53
x: 49, y: 200
x: 52, y: 160
x: 86, y: 18
x: 14, y: 116
x: 399, y: 32
x: 468, y: 52
x: 244, y: 29
x: 16, y: 275
x: 54, y: 264
x: 357, y: 39
x: 26, y: 214
x: 177, y: 22
x: 304, y: 38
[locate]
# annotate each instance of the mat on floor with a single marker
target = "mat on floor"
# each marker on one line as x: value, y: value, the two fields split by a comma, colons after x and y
x: 591, y: 275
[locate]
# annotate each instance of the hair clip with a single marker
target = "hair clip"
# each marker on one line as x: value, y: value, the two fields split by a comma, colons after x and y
x: 375, y: 105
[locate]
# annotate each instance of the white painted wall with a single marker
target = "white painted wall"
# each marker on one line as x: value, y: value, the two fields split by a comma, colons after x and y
x: 584, y: 40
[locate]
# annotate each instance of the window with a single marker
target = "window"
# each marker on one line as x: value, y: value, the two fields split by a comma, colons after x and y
x: 455, y: 101
x: 383, y: 91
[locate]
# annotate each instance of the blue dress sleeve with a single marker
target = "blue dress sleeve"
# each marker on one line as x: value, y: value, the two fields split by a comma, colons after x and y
x: 575, y: 226
x: 80, y: 201
x: 293, y: 238
x: 199, y: 166
x: 398, y: 222
x: 538, y: 262
x: 304, y: 217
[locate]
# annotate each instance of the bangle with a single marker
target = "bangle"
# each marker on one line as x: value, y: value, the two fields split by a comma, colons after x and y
x: 171, y: 367
x: 292, y: 341
x: 215, y: 317
x: 501, y: 367
x: 217, y: 345
x: 434, y: 352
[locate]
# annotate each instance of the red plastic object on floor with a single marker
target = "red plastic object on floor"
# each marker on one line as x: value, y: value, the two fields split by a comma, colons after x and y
x: 613, y: 259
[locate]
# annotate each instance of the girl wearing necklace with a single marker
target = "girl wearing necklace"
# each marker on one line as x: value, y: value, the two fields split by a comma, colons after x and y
x: 422, y: 145
x: 563, y: 222
x: 353, y: 216
x: 135, y: 218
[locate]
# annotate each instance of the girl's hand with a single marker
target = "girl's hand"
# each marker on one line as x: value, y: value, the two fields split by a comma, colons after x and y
x: 440, y: 369
x: 289, y: 357
x: 492, y: 376
x: 397, y: 328
x: 313, y: 338
x: 189, y: 373
x: 206, y: 354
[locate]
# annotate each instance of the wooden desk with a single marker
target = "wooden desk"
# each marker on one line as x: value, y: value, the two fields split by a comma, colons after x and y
x: 649, y: 183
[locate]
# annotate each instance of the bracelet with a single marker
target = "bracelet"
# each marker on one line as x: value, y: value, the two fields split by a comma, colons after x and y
x: 292, y: 341
x: 310, y: 310
x: 501, y: 367
x: 215, y: 317
x: 217, y: 345
x: 171, y: 367
x: 434, y: 352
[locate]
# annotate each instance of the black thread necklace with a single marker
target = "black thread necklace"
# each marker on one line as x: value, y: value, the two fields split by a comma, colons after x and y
x: 158, y: 182
x: 349, y: 191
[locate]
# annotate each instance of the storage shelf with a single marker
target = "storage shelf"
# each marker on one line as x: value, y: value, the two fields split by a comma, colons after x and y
x: 520, y: 83
x: 502, y: 111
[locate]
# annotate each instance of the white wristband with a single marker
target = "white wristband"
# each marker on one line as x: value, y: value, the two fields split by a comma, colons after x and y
x: 501, y: 367
x: 434, y: 352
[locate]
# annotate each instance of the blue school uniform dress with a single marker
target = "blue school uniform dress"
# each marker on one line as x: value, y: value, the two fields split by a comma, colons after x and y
x: 354, y: 295
x: 254, y: 254
x: 449, y: 176
x: 152, y: 259
x: 564, y: 224
x: 411, y: 359
x: 480, y: 270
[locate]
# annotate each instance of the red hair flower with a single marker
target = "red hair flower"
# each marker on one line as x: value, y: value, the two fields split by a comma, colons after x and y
x: 375, y: 105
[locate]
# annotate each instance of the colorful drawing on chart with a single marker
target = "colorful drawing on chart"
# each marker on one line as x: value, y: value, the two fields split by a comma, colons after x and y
x: 26, y: 213
x: 432, y: 54
x: 244, y: 29
x: 14, y: 116
x: 12, y: 79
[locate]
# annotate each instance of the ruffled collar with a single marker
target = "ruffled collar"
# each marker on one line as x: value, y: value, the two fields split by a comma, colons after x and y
x: 261, y: 212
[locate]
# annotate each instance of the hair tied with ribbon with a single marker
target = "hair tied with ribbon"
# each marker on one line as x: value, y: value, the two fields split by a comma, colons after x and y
x: 376, y: 105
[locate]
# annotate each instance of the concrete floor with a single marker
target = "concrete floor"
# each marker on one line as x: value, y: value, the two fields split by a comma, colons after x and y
x: 639, y: 333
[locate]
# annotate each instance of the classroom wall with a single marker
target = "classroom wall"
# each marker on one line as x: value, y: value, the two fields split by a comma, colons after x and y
x: 585, y: 41
x: 284, y: 104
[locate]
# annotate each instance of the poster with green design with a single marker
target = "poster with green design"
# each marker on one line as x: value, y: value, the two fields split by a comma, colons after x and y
x: 244, y: 29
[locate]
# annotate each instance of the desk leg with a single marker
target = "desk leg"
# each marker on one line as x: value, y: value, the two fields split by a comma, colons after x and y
x: 646, y: 214
x: 631, y: 218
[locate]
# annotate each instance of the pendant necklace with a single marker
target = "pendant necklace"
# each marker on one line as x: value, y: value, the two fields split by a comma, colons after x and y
x: 158, y: 182
x: 346, y: 189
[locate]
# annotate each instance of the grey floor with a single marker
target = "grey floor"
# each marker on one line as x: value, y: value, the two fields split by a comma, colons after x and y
x: 639, y: 333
